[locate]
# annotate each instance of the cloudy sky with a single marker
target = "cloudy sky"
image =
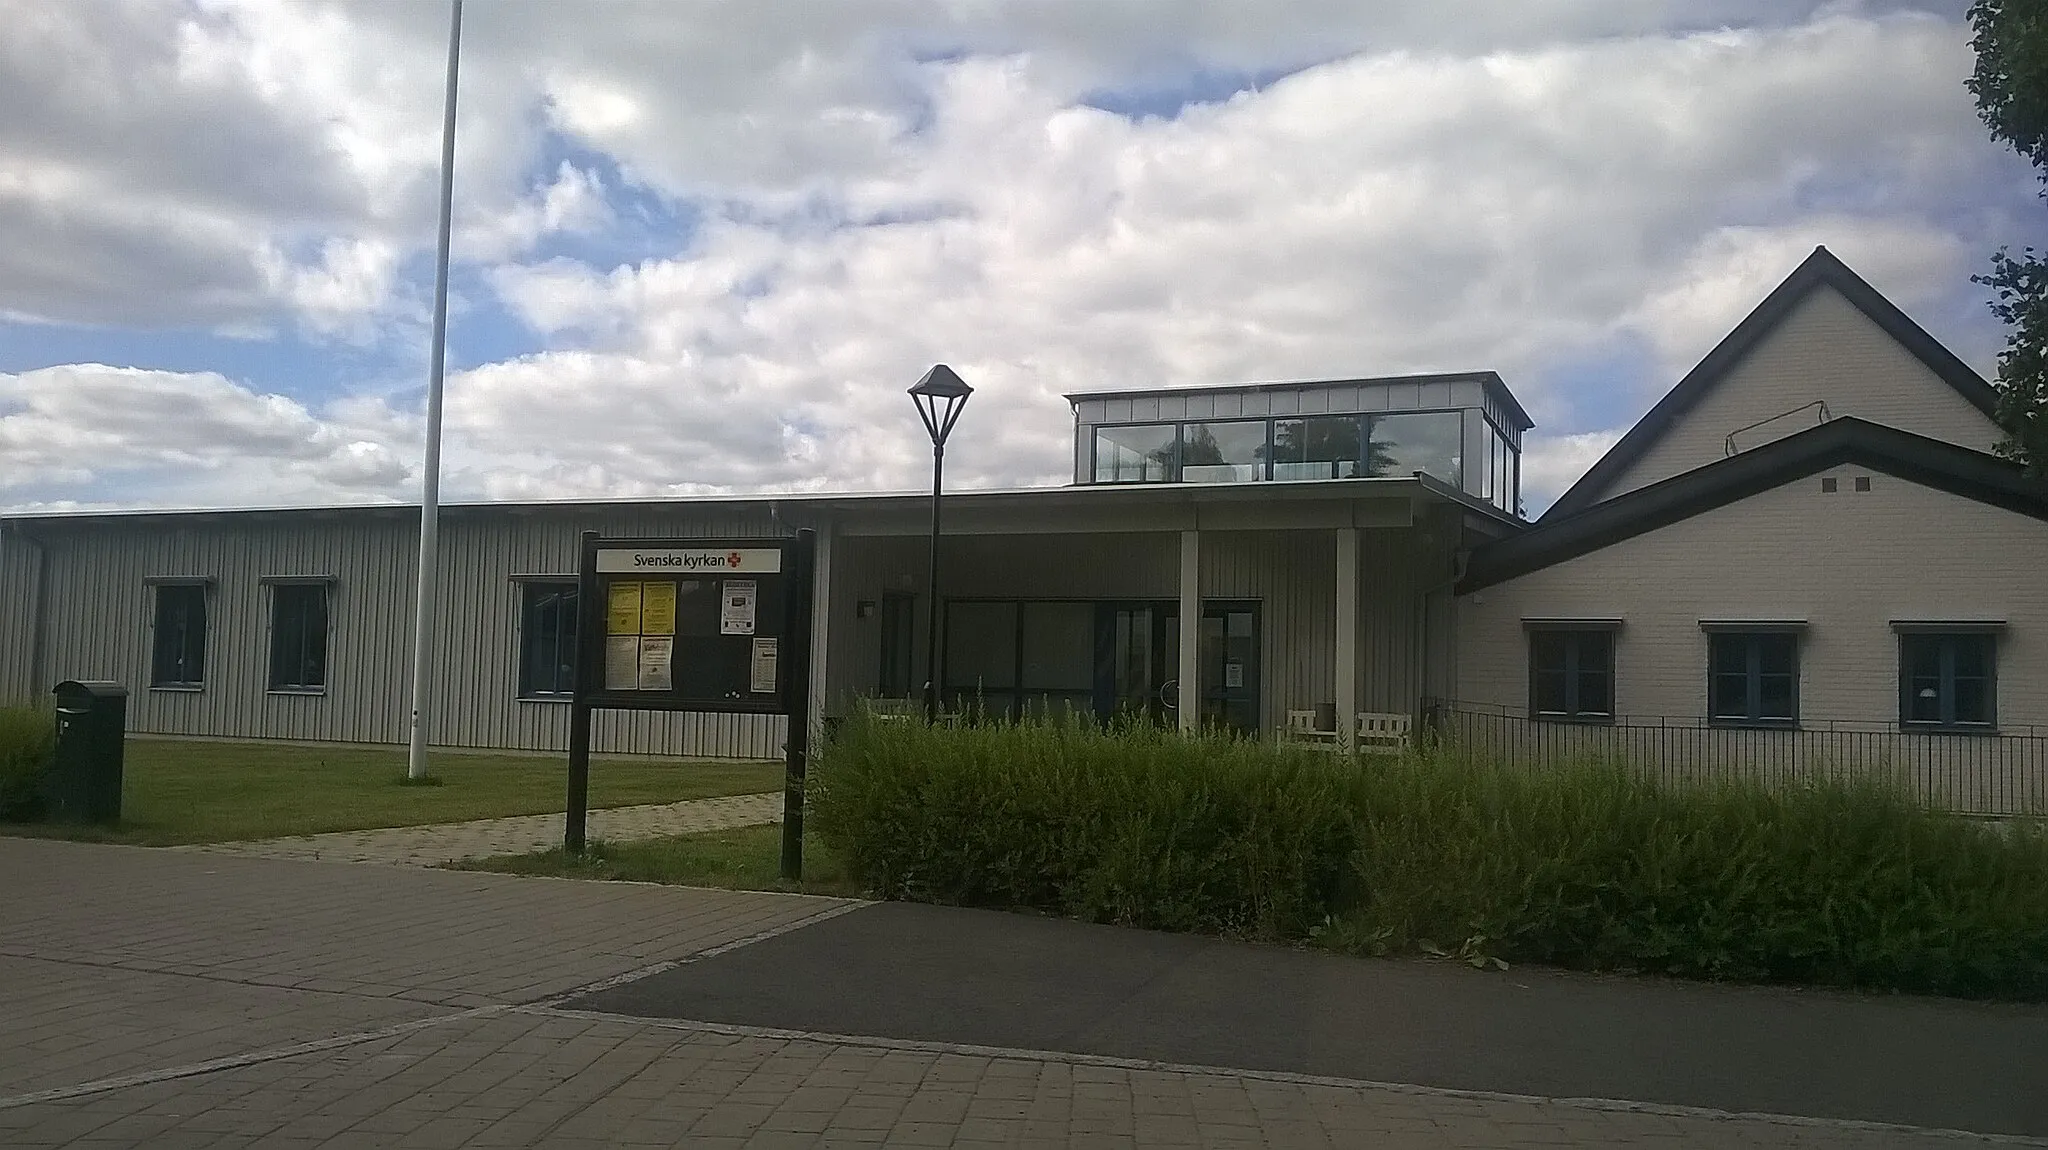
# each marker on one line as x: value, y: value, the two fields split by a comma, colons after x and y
x: 705, y: 246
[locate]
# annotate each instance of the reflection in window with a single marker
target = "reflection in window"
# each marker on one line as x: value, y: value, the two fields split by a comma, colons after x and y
x: 298, y: 637
x: 1754, y: 678
x: 1223, y: 452
x: 1571, y: 675
x: 547, y: 639
x: 1137, y: 454
x: 1947, y: 680
x: 1405, y: 444
x: 1320, y: 447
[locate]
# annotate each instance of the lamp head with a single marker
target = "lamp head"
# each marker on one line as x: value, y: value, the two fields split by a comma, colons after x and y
x: 939, y: 397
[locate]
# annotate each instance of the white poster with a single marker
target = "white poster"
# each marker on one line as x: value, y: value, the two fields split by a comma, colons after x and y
x: 655, y: 657
x: 622, y: 663
x: 736, y: 610
x: 764, y: 666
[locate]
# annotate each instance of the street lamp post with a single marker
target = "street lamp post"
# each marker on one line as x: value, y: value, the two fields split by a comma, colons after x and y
x: 939, y: 397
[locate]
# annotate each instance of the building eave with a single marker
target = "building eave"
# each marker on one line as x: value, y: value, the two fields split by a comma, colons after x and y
x: 1933, y: 463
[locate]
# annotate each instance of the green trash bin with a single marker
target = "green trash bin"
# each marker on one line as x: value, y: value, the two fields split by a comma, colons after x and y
x: 85, y: 779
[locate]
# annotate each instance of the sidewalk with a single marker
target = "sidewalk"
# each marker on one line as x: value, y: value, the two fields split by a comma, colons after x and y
x: 179, y: 999
x: 447, y: 842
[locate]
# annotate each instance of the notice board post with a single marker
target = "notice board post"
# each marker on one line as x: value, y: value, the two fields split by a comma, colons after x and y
x: 717, y: 626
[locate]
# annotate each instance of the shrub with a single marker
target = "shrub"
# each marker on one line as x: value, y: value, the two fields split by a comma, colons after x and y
x: 1129, y: 825
x: 1589, y: 866
x: 1592, y: 866
x: 28, y: 743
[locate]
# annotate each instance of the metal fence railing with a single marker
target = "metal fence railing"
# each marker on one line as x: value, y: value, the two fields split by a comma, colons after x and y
x: 2003, y: 774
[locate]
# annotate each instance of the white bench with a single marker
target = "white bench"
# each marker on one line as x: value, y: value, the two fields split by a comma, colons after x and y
x: 1301, y: 728
x: 1380, y: 733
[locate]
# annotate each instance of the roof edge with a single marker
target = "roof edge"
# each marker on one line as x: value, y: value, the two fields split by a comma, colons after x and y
x: 1933, y: 463
x: 1820, y: 269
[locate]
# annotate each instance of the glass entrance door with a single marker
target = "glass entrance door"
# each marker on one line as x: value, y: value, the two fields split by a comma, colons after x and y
x: 1140, y: 651
x: 1229, y: 660
x: 1139, y: 668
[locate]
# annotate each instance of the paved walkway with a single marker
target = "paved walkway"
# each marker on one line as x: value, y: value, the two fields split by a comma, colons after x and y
x: 523, y: 834
x: 184, y: 999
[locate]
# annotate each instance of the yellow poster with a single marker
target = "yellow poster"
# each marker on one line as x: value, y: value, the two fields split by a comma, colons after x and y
x: 658, y: 609
x: 624, y: 615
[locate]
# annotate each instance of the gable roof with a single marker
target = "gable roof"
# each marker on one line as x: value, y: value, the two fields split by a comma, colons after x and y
x: 1934, y: 463
x: 1821, y: 269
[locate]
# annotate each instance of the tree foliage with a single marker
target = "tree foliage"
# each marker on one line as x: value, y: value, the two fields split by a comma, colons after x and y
x: 2011, y: 87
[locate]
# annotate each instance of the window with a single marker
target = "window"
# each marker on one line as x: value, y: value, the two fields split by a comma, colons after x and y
x: 178, y: 655
x: 899, y: 624
x: 1571, y: 675
x: 547, y: 639
x: 1318, y: 447
x: 1424, y: 441
x: 1232, y: 452
x: 298, y: 637
x: 1753, y: 677
x: 1140, y: 453
x: 1948, y: 680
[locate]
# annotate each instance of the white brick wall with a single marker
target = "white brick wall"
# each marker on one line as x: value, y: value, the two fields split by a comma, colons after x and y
x: 1824, y: 350
x: 1848, y: 563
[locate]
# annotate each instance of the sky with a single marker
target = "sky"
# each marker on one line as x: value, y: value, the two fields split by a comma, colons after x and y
x: 704, y: 247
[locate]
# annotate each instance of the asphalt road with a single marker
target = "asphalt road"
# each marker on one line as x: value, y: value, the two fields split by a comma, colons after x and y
x: 982, y: 977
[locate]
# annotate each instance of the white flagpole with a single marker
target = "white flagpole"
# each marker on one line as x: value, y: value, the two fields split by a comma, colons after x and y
x: 430, y: 498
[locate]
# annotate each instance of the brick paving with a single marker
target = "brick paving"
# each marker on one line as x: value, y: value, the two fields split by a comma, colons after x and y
x: 522, y: 834
x: 181, y: 999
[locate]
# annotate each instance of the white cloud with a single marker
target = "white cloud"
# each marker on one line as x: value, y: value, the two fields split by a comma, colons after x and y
x: 1552, y: 463
x: 183, y: 439
x: 880, y: 186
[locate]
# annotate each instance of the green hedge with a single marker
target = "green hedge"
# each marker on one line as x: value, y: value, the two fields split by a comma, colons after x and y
x: 1135, y: 826
x: 28, y: 742
x: 1588, y: 866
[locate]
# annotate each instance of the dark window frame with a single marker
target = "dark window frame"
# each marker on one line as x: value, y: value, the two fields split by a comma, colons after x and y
x: 1264, y: 453
x: 1575, y: 634
x: 565, y: 609
x: 1753, y: 637
x: 1095, y: 453
x: 1945, y: 640
x: 278, y: 679
x: 190, y: 657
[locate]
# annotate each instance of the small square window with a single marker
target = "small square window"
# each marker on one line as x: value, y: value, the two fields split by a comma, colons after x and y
x: 1829, y: 484
x: 1863, y: 483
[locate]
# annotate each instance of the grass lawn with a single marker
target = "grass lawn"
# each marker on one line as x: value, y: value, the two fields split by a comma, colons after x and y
x: 746, y: 859
x: 178, y: 791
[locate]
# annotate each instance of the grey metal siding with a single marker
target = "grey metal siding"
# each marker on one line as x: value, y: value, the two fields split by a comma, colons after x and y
x: 102, y: 612
x: 101, y: 615
x: 18, y: 561
x: 477, y: 654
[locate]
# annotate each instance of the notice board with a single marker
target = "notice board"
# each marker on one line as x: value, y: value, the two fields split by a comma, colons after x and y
x: 713, y: 625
